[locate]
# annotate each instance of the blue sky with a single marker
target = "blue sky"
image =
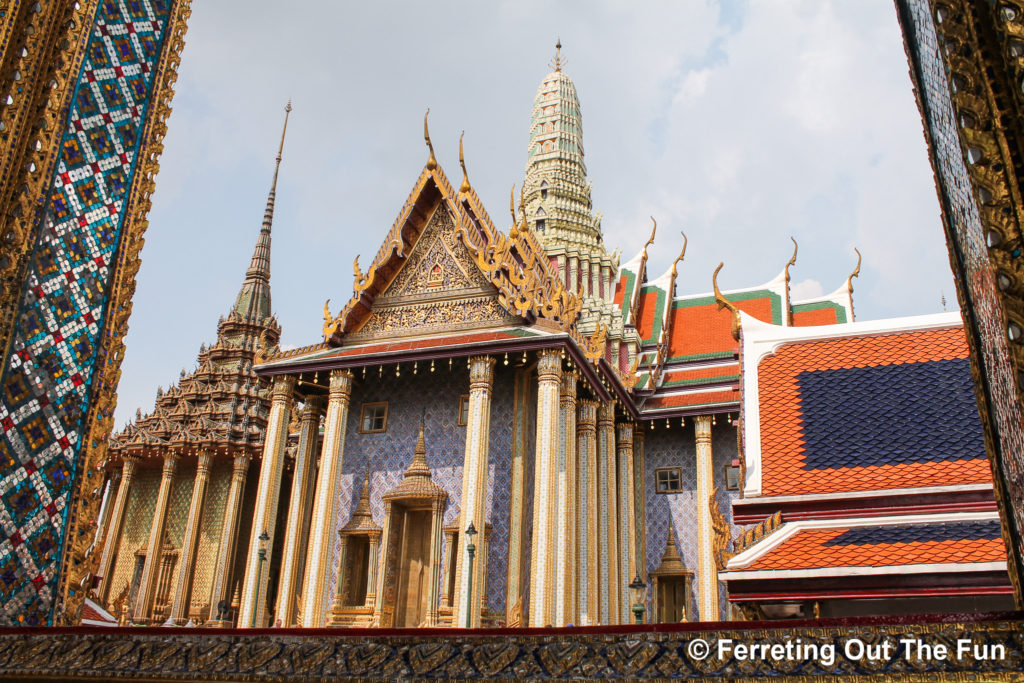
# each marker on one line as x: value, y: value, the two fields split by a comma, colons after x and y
x: 741, y: 123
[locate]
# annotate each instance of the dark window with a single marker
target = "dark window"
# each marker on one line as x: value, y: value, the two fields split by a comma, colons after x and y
x: 464, y: 410
x: 668, y: 480
x: 732, y: 477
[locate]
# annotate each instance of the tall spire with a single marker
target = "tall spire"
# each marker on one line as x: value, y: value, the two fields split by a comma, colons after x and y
x: 253, y: 302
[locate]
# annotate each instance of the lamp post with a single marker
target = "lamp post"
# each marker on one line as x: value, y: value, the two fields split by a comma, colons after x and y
x: 638, y: 591
x: 262, y: 553
x: 471, y: 549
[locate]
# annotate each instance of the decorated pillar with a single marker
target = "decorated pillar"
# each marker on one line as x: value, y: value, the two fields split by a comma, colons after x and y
x: 565, y: 507
x: 640, y: 502
x: 186, y: 565
x: 474, y: 488
x: 707, y: 570
x: 151, y: 569
x: 321, y: 532
x: 434, y: 588
x: 627, y: 519
x: 586, y: 513
x: 253, y: 608
x: 226, y: 549
x: 115, y: 525
x: 607, y: 518
x: 371, y: 571
x: 542, y: 560
x: 516, y: 538
x: 292, y: 553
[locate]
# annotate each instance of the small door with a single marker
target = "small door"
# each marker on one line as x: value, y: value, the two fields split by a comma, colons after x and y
x: 672, y: 599
x: 413, y: 569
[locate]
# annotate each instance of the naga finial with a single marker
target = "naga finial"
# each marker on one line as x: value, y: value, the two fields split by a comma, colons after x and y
x: 855, y: 273
x: 462, y: 162
x: 328, y: 318
x: 679, y: 258
x: 650, y: 240
x: 432, y: 161
x: 725, y: 303
x: 792, y: 259
x: 514, y: 232
x: 357, y: 272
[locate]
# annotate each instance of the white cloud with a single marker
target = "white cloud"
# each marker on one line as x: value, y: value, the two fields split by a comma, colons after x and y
x: 805, y: 289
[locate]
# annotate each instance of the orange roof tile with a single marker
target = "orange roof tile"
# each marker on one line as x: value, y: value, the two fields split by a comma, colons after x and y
x: 694, y: 399
x: 817, y: 316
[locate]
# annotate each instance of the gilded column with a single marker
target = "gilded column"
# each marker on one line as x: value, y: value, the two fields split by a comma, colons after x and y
x: 640, y: 504
x: 542, y: 565
x: 565, y: 507
x: 474, y: 487
x: 607, y: 518
x: 186, y: 562
x: 520, y: 439
x: 371, y: 571
x: 253, y: 608
x: 586, y: 512
x: 707, y: 571
x: 627, y: 519
x: 435, y: 571
x: 292, y: 553
x: 115, y: 526
x: 150, y: 571
x: 322, y: 527
x: 226, y: 547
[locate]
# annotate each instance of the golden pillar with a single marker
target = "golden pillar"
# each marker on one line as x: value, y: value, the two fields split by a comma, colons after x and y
x: 542, y: 555
x: 640, y: 505
x: 586, y: 512
x: 322, y: 527
x: 627, y: 519
x: 183, y: 586
x: 607, y: 518
x: 371, y: 571
x: 296, y: 529
x: 151, y: 569
x: 565, y: 507
x: 434, y: 587
x: 517, y: 522
x: 707, y: 571
x: 115, y: 526
x: 226, y: 548
x: 474, y: 489
x: 252, y: 611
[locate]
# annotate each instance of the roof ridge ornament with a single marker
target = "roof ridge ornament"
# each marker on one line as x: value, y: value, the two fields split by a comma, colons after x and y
x: 432, y: 161
x: 792, y: 259
x: 725, y: 303
x: 464, y: 187
x: 650, y: 240
x: 855, y: 273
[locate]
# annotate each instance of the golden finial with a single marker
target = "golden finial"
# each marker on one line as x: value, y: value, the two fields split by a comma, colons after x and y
x: 650, y: 241
x: 432, y: 161
x: 557, y: 63
x: 462, y: 162
x: 522, y: 205
x: 681, y: 256
x: 855, y: 273
x: 792, y: 260
x: 514, y: 232
x: 725, y: 303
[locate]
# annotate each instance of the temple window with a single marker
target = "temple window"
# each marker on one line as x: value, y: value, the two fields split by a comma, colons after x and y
x: 668, y: 480
x: 732, y: 476
x: 374, y: 418
x: 673, y: 597
x: 357, y: 565
x: 540, y: 225
x: 464, y: 410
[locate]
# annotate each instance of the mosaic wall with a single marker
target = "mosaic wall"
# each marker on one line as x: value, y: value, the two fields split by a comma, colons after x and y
x: 389, y: 454
x: 63, y: 307
x: 675, y: 447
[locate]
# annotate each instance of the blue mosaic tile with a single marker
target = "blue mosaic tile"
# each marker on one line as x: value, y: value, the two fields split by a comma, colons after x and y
x: 890, y: 414
x: 919, y: 533
x: 63, y: 306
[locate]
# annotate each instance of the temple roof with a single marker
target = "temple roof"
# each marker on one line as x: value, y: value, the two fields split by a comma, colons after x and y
x: 860, y: 407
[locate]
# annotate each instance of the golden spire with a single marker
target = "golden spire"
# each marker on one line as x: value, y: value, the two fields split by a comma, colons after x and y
x: 855, y: 273
x: 792, y: 260
x: 418, y: 466
x: 514, y: 232
x: 432, y: 161
x: 462, y: 162
x: 557, y: 63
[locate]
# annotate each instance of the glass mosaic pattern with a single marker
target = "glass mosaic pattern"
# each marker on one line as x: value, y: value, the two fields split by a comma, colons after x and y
x: 46, y: 379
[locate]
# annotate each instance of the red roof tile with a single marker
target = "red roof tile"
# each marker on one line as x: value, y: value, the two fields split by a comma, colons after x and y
x: 819, y: 316
x: 703, y: 330
x: 725, y: 372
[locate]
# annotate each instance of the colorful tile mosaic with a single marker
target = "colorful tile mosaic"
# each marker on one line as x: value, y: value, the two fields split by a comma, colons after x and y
x: 63, y: 309
x: 906, y: 403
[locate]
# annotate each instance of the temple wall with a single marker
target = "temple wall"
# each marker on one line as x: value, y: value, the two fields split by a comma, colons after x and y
x: 435, y: 396
x: 675, y: 447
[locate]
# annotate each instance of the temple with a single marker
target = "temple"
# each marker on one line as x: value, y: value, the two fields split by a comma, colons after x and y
x: 514, y: 429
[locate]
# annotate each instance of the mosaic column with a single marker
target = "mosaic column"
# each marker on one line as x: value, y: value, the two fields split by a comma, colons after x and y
x: 707, y: 571
x: 627, y: 519
x: 186, y: 565
x: 607, y: 518
x: 253, y: 608
x: 322, y: 527
x: 542, y: 565
x: 565, y: 507
x: 640, y: 505
x: 226, y: 548
x: 474, y: 488
x: 434, y: 588
x: 371, y: 571
x: 586, y: 517
x: 116, y: 524
x: 292, y: 554
x: 144, y: 600
x: 517, y: 505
